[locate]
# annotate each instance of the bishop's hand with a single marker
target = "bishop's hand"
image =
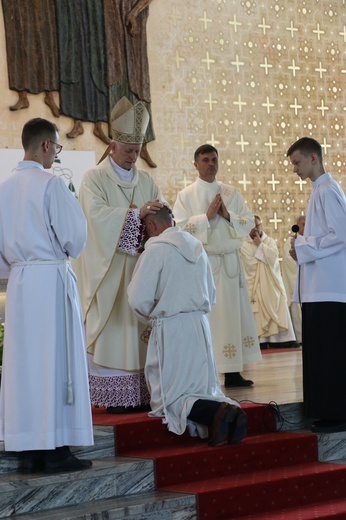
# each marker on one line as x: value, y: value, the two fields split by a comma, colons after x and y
x: 150, y: 208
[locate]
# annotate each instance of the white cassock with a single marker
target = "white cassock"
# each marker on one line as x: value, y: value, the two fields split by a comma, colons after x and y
x: 173, y: 288
x: 289, y: 269
x: 266, y: 290
x: 44, y: 360
x: 233, y: 329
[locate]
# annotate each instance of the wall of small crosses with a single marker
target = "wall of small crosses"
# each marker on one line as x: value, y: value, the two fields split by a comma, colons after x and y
x: 249, y: 77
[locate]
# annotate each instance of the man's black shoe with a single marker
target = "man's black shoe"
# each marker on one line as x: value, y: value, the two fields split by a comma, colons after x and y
x: 71, y: 463
x: 32, y: 464
x: 116, y: 409
x: 225, y: 415
x: 129, y: 409
x: 238, y: 430
x: 236, y: 379
x: 325, y: 426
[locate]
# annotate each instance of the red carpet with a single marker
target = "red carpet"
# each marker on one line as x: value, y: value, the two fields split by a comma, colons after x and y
x: 276, y: 350
x: 269, y: 475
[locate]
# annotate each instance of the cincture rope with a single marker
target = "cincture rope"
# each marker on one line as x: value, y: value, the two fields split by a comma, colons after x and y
x: 156, y: 335
x: 156, y: 324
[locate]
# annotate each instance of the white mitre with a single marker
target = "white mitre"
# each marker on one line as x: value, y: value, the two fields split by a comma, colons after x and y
x: 129, y: 122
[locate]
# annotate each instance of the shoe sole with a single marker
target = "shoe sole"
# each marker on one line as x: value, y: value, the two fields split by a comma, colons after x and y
x: 321, y: 429
x: 223, y: 431
x: 239, y: 430
x: 130, y: 409
x: 81, y: 465
x: 29, y: 471
x: 239, y: 384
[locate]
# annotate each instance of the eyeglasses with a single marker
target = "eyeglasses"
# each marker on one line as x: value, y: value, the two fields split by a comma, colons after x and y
x: 58, y: 146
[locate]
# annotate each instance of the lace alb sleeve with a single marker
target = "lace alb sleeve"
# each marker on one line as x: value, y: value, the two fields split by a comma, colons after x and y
x: 132, y: 234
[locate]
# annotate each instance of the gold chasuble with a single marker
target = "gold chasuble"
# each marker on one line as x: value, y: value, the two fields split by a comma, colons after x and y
x: 104, y: 272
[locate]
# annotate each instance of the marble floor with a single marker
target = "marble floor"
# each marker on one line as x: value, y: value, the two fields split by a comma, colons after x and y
x: 278, y: 378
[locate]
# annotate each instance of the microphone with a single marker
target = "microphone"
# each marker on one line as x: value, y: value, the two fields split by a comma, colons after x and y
x: 295, y: 230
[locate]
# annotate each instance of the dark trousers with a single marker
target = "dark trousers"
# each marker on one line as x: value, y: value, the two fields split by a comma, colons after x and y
x: 324, y: 360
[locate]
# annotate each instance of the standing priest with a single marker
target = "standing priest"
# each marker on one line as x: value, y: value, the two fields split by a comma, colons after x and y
x: 217, y: 215
x: 260, y: 258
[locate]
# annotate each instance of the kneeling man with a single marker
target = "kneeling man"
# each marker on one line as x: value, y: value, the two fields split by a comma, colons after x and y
x: 172, y: 288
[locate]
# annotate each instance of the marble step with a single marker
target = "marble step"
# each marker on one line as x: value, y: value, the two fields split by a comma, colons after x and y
x: 331, y: 446
x: 103, y: 447
x: 109, y: 477
x: 155, y: 505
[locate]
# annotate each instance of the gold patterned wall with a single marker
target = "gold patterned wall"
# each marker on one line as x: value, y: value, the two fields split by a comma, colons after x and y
x: 249, y: 77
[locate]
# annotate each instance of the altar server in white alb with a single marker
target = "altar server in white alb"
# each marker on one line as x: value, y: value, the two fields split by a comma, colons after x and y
x: 217, y: 215
x: 115, y: 197
x: 44, y: 398
x: 321, y: 288
x: 260, y: 258
x: 173, y: 289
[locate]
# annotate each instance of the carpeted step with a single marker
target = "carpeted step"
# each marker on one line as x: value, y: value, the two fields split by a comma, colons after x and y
x: 138, y: 431
x: 255, y: 492
x: 332, y: 509
x: 266, y: 473
x: 195, y: 460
